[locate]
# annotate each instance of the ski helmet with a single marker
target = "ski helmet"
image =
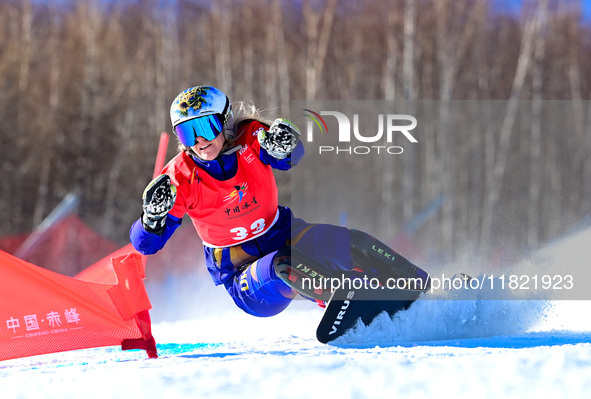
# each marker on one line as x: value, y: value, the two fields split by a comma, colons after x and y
x: 200, y: 111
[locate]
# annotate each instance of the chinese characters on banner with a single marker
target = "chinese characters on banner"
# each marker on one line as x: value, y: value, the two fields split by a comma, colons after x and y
x: 45, y: 312
x: 52, y: 321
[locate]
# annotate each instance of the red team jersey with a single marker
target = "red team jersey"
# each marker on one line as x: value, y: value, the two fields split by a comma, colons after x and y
x: 232, y: 211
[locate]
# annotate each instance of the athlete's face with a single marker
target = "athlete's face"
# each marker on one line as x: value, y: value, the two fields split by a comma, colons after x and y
x: 208, y: 150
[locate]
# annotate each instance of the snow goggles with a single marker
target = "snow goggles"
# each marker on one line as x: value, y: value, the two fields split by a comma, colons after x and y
x: 207, y: 126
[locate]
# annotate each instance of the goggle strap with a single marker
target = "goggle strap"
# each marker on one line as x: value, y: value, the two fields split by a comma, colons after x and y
x: 225, y: 113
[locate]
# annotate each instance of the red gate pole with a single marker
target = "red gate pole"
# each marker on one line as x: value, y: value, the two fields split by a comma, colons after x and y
x: 161, y: 156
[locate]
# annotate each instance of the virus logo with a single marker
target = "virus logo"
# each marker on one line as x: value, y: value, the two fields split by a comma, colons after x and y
x: 237, y: 193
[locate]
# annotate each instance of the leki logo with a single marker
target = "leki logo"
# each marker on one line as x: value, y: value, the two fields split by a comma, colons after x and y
x: 237, y: 194
x: 395, y: 124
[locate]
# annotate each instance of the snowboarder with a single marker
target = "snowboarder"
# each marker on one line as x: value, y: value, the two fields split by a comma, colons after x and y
x: 222, y: 179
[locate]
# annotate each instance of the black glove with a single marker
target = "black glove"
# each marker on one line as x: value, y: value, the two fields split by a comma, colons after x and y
x: 281, y: 138
x: 158, y: 200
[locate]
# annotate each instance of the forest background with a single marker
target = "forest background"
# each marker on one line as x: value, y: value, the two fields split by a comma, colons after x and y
x: 85, y: 88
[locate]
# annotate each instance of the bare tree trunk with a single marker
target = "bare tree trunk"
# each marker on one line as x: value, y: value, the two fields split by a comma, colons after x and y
x: 222, y: 17
x: 312, y: 20
x: 476, y: 157
x: 489, y: 78
x: 447, y: 71
x: 389, y: 81
x: 249, y: 24
x: 386, y: 165
x: 271, y: 75
x: 574, y: 75
x: 447, y: 62
x: 282, y: 58
x: 444, y: 149
x: 90, y: 59
x: 170, y: 50
x: 408, y: 81
x: 555, y: 191
x: 25, y: 57
x: 160, y: 33
x: 111, y: 196
x: 453, y: 42
x: 317, y: 44
x: 586, y: 167
x: 408, y: 186
x: 349, y: 55
x: 25, y: 47
x: 49, y: 126
x: 535, y: 146
x: 494, y: 191
x: 427, y: 89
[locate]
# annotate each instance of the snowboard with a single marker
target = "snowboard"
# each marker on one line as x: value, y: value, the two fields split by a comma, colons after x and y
x: 347, y: 305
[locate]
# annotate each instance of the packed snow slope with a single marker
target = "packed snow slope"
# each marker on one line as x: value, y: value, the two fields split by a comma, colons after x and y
x: 461, y: 345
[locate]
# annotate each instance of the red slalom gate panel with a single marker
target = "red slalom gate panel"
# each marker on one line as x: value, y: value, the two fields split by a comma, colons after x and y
x: 44, y: 312
x: 103, y: 271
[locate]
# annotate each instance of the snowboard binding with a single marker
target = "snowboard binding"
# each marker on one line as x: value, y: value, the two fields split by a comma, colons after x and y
x: 373, y: 257
x: 371, y: 260
x: 303, y: 274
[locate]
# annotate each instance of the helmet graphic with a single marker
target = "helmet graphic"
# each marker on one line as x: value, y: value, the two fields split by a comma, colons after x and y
x: 199, y: 111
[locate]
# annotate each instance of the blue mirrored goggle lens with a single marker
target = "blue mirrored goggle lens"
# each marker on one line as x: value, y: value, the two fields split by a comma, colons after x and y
x: 208, y: 127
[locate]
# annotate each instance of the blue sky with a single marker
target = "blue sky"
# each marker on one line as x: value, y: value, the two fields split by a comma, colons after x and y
x: 515, y: 5
x: 512, y: 6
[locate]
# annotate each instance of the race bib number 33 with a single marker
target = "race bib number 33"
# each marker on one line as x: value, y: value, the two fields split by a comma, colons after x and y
x: 242, y: 233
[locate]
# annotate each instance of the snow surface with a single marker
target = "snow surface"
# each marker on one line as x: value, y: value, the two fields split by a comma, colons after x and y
x: 466, y: 347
